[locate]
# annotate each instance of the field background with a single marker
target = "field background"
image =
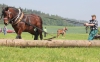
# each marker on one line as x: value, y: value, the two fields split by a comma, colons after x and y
x: 75, y: 54
x: 53, y: 29
x: 73, y: 33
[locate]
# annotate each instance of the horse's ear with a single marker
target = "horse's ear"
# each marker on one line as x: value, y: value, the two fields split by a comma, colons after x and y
x: 20, y: 8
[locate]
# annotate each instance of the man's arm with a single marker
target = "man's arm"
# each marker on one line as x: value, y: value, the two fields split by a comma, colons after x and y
x: 90, y: 24
x: 87, y: 24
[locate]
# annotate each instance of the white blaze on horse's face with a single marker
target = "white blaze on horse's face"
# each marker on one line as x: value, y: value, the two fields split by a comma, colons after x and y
x: 6, y: 17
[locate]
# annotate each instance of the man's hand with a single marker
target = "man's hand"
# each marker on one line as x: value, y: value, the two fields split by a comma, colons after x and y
x: 86, y: 24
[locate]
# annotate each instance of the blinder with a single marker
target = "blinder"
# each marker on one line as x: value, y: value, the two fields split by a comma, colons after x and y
x: 7, y: 18
x: 15, y: 19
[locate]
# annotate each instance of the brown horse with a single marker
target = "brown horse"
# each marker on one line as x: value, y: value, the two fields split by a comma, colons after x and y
x: 61, y: 31
x: 23, y: 22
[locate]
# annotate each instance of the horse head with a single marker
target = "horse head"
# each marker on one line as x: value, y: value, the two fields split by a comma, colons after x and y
x: 10, y: 14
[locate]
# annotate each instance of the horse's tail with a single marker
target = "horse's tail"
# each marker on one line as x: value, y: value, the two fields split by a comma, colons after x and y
x: 41, y: 22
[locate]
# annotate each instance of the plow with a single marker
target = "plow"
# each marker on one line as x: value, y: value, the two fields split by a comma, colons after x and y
x: 46, y: 43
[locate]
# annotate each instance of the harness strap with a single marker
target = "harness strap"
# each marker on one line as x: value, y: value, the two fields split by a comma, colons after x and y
x: 18, y: 15
x: 27, y: 22
x: 19, y: 18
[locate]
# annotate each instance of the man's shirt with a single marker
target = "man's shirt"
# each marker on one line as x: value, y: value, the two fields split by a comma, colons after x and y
x: 95, y: 22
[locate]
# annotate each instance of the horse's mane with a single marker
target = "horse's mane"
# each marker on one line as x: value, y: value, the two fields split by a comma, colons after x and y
x: 6, y: 9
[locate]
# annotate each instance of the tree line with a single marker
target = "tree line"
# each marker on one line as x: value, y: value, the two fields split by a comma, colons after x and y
x: 48, y: 19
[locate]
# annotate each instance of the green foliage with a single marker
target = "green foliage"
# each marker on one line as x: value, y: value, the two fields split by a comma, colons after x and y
x: 50, y: 19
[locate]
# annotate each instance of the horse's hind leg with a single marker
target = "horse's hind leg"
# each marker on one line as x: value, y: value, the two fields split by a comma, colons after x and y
x: 36, y: 35
x: 41, y: 36
x: 40, y: 32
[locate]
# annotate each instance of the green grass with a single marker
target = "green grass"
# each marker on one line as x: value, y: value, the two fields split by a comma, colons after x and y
x: 12, y: 54
x: 74, y: 30
x: 73, y: 33
x: 16, y: 54
x: 53, y: 29
x: 25, y: 36
x: 28, y: 36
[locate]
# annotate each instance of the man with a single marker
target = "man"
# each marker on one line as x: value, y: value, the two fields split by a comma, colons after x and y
x: 4, y: 30
x: 45, y: 32
x: 93, y: 27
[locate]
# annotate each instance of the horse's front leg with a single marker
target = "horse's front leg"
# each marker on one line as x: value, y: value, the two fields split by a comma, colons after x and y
x: 63, y: 34
x: 57, y: 35
x: 36, y: 34
x: 19, y: 34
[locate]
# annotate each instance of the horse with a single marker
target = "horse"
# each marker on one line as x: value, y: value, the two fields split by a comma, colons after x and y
x: 21, y: 22
x: 61, y: 31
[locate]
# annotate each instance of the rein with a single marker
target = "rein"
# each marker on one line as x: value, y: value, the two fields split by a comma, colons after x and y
x: 18, y: 17
x: 15, y: 20
x: 42, y: 31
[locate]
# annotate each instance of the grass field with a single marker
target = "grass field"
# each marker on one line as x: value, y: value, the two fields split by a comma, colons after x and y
x: 16, y: 54
x: 12, y: 54
x: 73, y: 33
x: 28, y: 36
x: 53, y: 29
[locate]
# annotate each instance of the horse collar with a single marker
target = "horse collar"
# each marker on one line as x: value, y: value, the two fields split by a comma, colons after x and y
x: 18, y: 15
x: 18, y: 18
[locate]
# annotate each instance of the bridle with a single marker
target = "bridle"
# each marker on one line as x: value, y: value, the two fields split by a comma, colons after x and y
x: 15, y: 19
